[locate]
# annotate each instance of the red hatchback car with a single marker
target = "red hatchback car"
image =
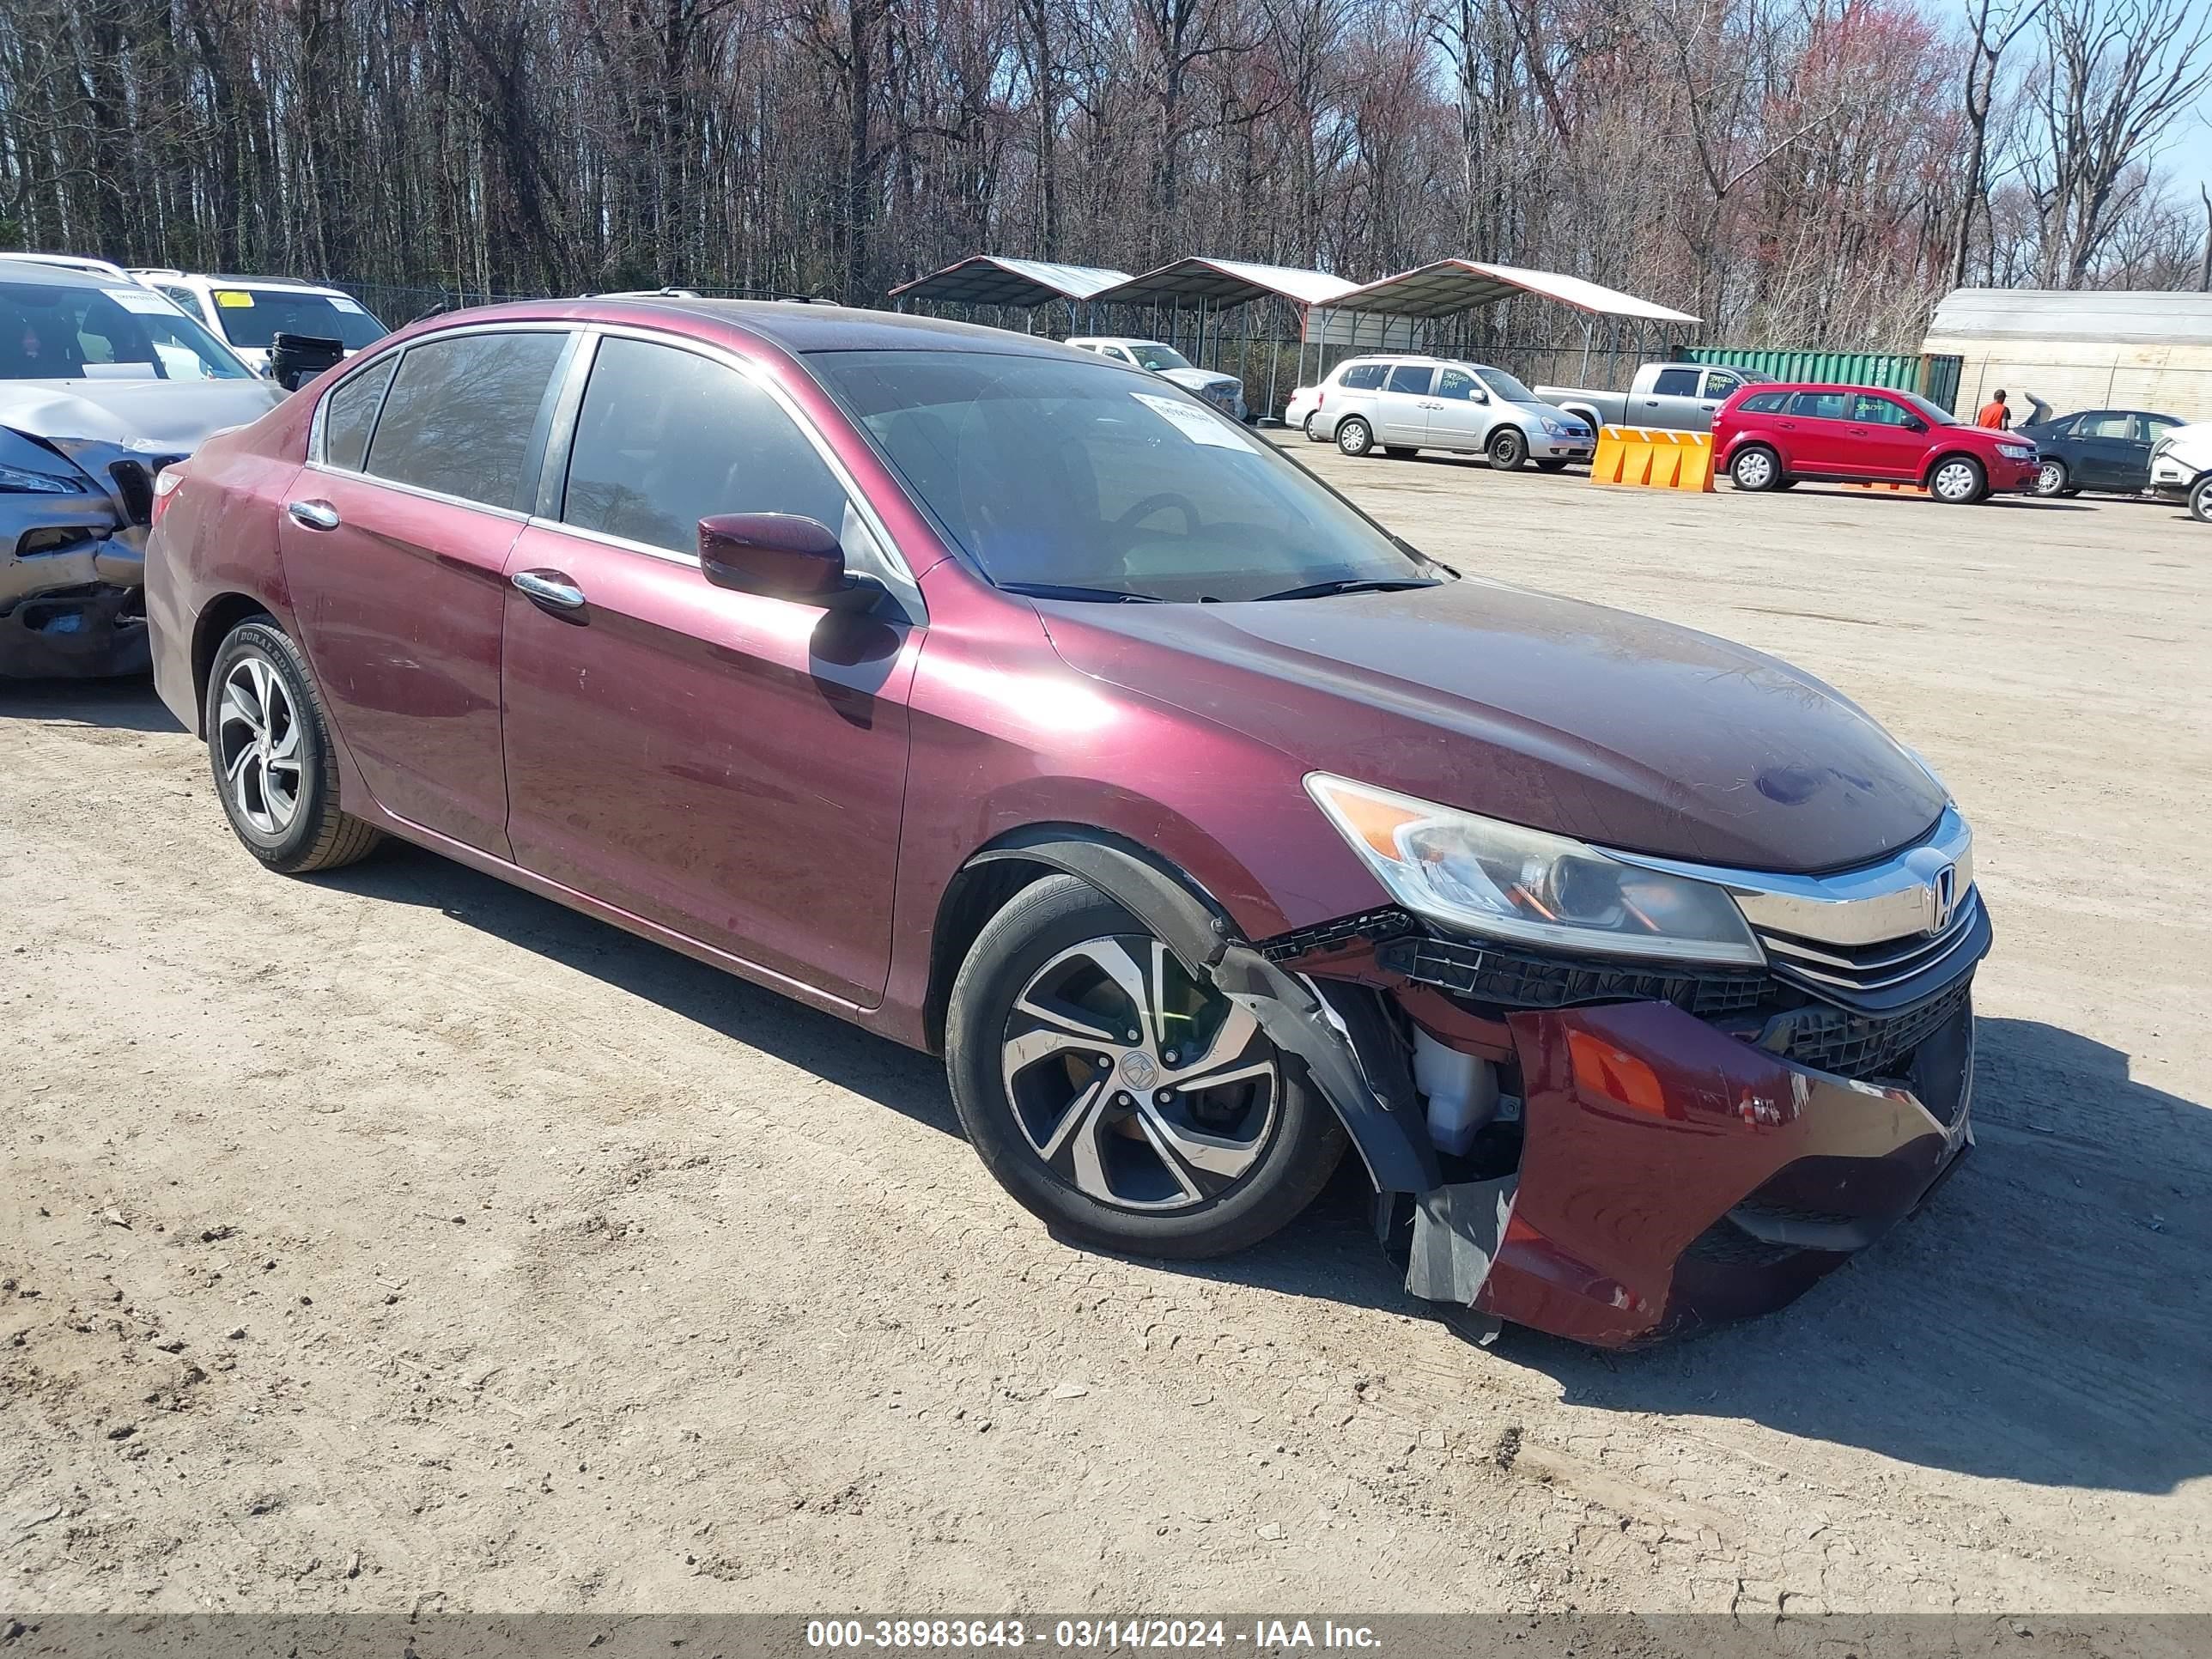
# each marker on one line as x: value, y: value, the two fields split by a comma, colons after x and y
x: 1769, y: 437
x: 1019, y: 706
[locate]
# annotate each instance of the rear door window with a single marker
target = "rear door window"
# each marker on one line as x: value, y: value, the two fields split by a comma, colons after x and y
x: 351, y: 413
x: 1819, y: 406
x: 1412, y: 379
x: 462, y: 417
x: 1676, y: 383
x: 666, y: 438
x: 1363, y: 377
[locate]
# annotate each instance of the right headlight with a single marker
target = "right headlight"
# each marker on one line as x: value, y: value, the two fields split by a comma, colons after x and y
x: 22, y: 481
x: 1529, y: 887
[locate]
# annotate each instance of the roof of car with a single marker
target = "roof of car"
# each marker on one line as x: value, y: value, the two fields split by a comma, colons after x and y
x: 29, y: 267
x: 846, y: 328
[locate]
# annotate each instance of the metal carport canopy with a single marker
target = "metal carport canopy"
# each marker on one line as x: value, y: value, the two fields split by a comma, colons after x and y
x: 1226, y: 282
x: 987, y: 279
x: 1455, y: 285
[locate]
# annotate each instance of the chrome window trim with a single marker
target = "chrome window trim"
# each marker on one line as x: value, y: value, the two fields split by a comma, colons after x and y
x: 1873, y: 904
x: 903, y: 588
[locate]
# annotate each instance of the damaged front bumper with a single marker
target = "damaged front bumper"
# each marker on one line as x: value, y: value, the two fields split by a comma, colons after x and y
x: 73, y: 574
x: 1673, y: 1176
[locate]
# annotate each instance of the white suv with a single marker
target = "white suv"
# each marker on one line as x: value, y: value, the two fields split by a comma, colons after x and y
x: 249, y: 311
x: 1403, y: 404
x: 2181, y: 467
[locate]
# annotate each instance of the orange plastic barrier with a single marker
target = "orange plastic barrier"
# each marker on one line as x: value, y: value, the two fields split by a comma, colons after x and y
x: 1654, y: 458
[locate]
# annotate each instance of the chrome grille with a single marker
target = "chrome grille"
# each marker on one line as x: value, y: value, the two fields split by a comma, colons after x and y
x: 1887, y: 968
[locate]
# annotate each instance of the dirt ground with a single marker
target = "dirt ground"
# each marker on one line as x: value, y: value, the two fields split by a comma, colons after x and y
x: 397, y: 1241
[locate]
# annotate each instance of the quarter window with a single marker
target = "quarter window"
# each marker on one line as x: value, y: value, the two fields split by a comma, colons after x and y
x: 351, y: 412
x: 1412, y: 379
x: 666, y: 438
x: 462, y: 413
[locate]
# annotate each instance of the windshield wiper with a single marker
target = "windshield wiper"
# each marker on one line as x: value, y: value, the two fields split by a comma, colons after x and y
x: 1353, y: 585
x: 1063, y: 591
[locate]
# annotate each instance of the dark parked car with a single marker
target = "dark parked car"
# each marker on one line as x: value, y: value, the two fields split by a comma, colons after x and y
x: 102, y: 384
x: 1021, y: 707
x: 1770, y: 437
x: 2106, y: 449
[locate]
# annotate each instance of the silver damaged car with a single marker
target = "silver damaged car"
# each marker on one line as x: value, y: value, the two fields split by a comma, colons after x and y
x: 102, y: 384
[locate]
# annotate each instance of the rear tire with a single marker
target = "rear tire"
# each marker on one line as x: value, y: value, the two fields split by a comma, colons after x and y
x: 269, y: 746
x: 1957, y: 481
x: 1354, y: 437
x: 1087, y: 1128
x: 1312, y: 436
x: 1755, y: 468
x: 1508, y: 449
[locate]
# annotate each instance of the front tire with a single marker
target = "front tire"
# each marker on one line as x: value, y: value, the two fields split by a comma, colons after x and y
x: 1508, y: 450
x: 1354, y: 437
x: 1957, y: 481
x: 269, y: 746
x: 1123, y: 1101
x: 2200, y: 499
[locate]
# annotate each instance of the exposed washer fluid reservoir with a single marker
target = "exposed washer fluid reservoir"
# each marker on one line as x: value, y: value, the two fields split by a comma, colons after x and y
x: 1460, y: 1091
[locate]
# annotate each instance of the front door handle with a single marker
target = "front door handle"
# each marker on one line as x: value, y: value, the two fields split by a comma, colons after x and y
x: 551, y: 587
x: 315, y: 516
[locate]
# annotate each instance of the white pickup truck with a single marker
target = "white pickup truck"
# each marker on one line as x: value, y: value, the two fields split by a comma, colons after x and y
x: 1682, y: 396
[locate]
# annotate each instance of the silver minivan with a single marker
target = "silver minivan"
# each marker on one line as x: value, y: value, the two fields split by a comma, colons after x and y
x: 1403, y: 404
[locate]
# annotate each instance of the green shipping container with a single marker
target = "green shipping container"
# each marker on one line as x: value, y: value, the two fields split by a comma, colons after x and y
x: 1934, y: 377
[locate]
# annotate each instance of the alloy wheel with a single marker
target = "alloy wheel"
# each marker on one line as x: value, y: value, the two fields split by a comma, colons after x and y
x: 1133, y: 1083
x: 1754, y: 469
x: 2049, y: 478
x: 257, y: 740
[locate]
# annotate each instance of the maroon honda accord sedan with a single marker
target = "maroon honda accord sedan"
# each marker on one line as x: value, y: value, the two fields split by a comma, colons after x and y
x: 1019, y: 706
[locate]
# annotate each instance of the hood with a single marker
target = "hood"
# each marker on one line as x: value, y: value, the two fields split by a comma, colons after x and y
x: 173, y: 415
x: 1588, y: 721
x: 1540, y: 408
x: 1196, y: 379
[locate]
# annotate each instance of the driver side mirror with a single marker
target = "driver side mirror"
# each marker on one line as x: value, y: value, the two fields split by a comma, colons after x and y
x: 1914, y: 423
x: 782, y: 556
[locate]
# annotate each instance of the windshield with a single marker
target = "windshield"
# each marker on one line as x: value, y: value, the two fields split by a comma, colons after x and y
x: 1504, y: 386
x: 1933, y: 414
x: 253, y: 317
x: 1055, y: 475
x: 1150, y: 354
x: 49, y: 331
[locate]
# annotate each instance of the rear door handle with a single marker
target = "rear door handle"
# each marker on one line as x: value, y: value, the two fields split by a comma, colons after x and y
x: 551, y: 587
x: 315, y: 516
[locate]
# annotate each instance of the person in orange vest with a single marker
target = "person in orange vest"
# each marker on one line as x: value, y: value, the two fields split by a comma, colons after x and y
x: 1993, y: 413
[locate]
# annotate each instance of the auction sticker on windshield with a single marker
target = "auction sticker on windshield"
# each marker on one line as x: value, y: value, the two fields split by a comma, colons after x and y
x: 1195, y: 424
x: 142, y: 301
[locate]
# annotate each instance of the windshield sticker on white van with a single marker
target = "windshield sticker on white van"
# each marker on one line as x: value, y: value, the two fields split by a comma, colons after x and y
x: 339, y: 302
x: 1195, y: 424
x: 142, y: 301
